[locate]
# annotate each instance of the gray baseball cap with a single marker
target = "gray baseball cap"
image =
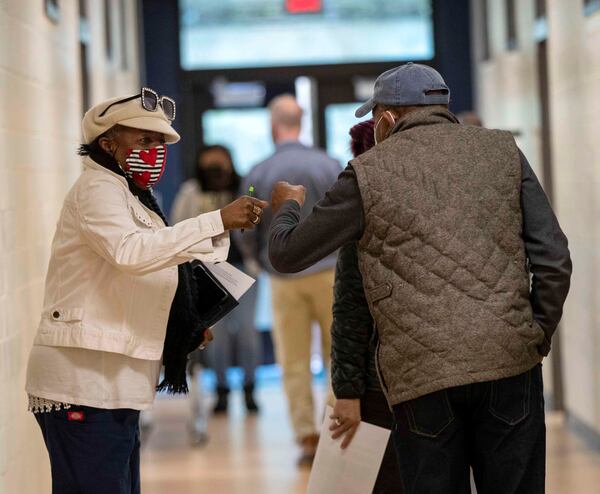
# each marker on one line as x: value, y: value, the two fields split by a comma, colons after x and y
x: 408, y: 85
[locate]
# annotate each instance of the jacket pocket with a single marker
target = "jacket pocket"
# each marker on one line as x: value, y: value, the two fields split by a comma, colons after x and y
x: 543, y: 344
x: 60, y: 314
x: 429, y: 415
x: 380, y: 292
x: 510, y: 397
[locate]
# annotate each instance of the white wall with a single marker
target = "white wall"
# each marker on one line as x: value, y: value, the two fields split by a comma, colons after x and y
x: 507, y: 96
x: 40, y: 115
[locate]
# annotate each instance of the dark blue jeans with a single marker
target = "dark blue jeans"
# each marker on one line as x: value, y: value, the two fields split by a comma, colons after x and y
x: 498, y: 428
x: 92, y: 450
x: 375, y: 410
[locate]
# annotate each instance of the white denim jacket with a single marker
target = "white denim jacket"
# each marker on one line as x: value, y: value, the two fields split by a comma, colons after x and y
x: 113, y: 268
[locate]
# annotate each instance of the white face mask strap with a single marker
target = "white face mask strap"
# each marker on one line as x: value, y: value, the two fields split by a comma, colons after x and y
x: 379, y: 121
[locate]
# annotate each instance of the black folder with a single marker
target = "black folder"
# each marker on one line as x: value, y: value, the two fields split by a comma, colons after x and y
x: 214, y: 300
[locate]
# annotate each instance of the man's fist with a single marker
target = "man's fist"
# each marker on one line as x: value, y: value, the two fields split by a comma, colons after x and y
x: 283, y: 191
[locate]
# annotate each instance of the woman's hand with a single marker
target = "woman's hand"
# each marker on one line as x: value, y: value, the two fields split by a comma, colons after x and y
x: 244, y: 212
x: 345, y: 420
x: 208, y: 337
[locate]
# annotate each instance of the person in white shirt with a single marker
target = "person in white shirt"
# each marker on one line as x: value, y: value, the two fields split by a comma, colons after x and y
x: 119, y: 297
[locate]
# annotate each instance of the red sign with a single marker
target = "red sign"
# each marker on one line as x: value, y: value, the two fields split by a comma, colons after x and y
x: 303, y: 6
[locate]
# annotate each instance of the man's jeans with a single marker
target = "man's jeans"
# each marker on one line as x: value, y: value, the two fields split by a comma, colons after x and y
x: 495, y: 427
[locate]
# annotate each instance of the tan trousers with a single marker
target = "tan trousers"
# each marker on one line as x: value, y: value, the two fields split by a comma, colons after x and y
x: 297, y: 302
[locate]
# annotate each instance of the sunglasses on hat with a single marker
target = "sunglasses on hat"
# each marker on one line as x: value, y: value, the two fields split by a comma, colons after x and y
x: 150, y: 102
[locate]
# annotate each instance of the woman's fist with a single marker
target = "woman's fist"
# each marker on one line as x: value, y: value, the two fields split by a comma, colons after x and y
x: 244, y: 212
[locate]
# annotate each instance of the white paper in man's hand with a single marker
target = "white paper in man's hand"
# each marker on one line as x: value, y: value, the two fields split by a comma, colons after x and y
x: 235, y: 281
x: 352, y: 470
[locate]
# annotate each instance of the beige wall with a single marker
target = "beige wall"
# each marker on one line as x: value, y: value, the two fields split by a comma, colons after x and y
x: 507, y: 85
x: 575, y: 98
x: 507, y: 97
x: 40, y: 115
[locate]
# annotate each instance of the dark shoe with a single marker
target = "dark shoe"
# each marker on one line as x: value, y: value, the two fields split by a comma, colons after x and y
x: 251, y: 405
x: 309, y: 449
x: 198, y: 438
x: 221, y: 404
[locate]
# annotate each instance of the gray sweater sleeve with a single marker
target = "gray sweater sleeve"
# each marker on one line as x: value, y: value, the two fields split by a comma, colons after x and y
x: 337, y: 219
x: 548, y: 254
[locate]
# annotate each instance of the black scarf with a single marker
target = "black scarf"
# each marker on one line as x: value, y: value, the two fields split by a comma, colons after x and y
x: 184, y: 333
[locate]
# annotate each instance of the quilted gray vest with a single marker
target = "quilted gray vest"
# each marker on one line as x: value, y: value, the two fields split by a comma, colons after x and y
x: 442, y: 256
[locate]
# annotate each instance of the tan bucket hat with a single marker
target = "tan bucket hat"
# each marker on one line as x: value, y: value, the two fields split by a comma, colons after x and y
x: 129, y: 112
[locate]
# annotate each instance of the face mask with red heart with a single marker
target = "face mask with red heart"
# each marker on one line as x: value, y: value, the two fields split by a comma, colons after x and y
x: 145, y: 166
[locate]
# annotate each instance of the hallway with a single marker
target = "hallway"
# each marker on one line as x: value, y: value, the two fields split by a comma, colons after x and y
x: 261, y: 459
x: 249, y: 455
x: 530, y: 68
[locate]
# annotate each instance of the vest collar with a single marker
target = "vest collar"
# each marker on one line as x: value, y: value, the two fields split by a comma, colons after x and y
x: 424, y: 116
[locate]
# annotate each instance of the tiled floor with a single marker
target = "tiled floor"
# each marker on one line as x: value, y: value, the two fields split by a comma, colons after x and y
x: 256, y: 455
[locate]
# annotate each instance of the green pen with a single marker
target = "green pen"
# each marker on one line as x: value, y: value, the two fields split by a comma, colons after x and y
x: 251, y: 194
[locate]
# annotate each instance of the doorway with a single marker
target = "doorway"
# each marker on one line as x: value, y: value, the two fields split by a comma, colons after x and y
x: 557, y: 398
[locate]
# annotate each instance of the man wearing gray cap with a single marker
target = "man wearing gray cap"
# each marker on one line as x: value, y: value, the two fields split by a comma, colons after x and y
x: 451, y: 222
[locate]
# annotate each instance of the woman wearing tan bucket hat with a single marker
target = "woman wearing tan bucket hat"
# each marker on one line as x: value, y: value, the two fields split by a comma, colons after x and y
x: 119, y: 297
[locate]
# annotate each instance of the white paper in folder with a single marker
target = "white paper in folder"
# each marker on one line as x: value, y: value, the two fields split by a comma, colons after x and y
x: 235, y: 281
x: 352, y: 470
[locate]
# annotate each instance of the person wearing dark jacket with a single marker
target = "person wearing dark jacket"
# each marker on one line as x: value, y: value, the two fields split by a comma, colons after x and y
x: 466, y: 271
x: 353, y: 341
